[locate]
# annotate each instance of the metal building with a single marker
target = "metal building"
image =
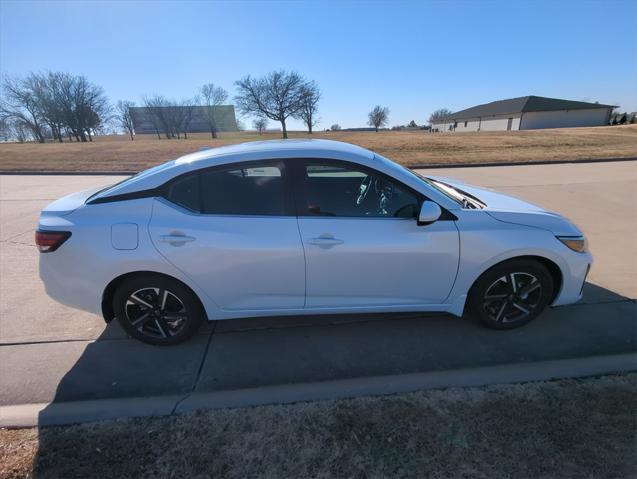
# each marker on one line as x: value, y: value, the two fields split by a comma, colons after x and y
x: 224, y: 117
x: 526, y: 113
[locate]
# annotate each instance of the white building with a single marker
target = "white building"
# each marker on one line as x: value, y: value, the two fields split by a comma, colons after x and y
x: 526, y: 113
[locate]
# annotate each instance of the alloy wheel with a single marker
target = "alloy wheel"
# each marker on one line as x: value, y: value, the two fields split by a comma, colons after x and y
x: 512, y: 297
x: 156, y: 312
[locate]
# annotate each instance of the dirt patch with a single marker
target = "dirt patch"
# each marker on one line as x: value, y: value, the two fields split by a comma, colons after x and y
x: 571, y: 428
x: 118, y: 153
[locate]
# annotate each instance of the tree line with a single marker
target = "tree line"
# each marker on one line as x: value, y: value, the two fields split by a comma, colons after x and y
x: 53, y: 105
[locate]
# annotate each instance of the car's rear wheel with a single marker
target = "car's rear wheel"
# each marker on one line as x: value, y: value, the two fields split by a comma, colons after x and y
x: 511, y: 294
x: 157, y: 310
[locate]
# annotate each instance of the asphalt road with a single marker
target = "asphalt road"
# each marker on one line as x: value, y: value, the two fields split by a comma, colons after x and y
x: 49, y: 352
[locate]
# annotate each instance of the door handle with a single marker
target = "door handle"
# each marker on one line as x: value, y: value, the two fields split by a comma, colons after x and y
x: 176, y: 239
x: 325, y: 241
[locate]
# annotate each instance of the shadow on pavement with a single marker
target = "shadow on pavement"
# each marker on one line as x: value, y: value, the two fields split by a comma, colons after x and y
x: 255, y: 352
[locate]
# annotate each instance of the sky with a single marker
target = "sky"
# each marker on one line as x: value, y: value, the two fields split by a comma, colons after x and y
x: 410, y: 56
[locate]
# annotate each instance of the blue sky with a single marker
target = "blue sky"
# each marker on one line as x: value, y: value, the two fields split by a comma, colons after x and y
x: 412, y: 57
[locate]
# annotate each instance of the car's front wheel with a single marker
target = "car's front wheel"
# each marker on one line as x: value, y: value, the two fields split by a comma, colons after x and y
x: 511, y: 294
x: 157, y: 310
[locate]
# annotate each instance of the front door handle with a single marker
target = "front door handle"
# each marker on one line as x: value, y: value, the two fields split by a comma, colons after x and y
x: 325, y: 241
x: 176, y: 239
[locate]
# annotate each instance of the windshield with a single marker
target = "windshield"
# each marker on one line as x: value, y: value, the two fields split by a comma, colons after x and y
x: 451, y: 192
x: 141, y: 174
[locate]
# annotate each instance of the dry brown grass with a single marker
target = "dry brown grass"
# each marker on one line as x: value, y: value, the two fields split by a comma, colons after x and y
x: 118, y: 153
x: 570, y: 428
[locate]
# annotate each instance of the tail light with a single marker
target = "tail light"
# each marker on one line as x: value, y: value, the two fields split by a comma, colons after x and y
x: 48, y: 241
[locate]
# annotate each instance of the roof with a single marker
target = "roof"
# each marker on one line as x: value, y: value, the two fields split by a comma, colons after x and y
x: 277, y: 148
x: 251, y: 151
x: 521, y: 105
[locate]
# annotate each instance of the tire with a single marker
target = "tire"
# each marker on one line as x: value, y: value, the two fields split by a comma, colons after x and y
x: 157, y: 310
x: 511, y: 294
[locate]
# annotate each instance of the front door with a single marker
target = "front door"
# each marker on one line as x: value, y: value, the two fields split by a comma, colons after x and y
x: 362, y: 244
x: 232, y: 231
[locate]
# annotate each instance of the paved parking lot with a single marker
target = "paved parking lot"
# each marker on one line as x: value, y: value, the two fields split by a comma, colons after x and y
x: 49, y: 352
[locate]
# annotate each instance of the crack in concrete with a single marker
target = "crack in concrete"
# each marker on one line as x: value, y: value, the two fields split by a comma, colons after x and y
x: 198, y: 377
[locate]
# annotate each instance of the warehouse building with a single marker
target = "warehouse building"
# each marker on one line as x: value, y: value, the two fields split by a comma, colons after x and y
x: 224, y: 117
x: 526, y: 113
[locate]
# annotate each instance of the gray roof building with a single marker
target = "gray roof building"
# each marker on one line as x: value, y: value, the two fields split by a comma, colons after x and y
x: 525, y: 113
x: 224, y: 116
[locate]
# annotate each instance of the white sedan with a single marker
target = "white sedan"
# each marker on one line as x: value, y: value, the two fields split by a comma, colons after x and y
x: 302, y: 227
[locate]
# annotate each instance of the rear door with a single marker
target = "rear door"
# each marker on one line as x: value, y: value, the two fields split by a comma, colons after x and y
x: 233, y: 231
x: 363, y: 246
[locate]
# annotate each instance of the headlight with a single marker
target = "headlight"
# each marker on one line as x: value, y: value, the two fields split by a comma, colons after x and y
x: 576, y: 243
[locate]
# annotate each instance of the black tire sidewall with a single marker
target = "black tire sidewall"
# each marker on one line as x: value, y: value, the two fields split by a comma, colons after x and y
x: 188, y: 298
x: 474, y: 302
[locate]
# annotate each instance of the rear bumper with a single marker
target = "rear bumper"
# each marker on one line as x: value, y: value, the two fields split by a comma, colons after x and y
x: 63, y: 283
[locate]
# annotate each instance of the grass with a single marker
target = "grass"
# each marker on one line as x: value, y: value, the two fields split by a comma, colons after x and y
x: 118, y: 153
x: 569, y: 428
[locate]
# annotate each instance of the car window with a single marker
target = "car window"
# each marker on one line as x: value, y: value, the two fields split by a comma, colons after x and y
x: 330, y: 189
x: 257, y: 190
x: 185, y: 192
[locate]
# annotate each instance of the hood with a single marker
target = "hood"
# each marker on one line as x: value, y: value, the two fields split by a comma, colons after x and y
x: 70, y: 203
x: 495, y: 201
x: 510, y: 209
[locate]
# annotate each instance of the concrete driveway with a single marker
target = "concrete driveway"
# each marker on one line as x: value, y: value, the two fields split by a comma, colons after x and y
x: 49, y: 352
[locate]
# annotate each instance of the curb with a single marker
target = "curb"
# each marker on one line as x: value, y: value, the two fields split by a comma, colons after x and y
x: 431, y: 166
x: 55, y: 414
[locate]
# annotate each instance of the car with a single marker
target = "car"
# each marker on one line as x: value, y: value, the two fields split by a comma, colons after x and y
x: 298, y: 227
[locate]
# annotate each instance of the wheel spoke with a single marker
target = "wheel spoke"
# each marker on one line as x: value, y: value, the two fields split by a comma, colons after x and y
x: 140, y: 302
x: 161, y: 329
x: 513, y: 285
x: 528, y: 289
x: 174, y: 316
x: 521, y: 308
x: 502, y: 308
x: 142, y: 320
x: 162, y: 296
x: 495, y: 297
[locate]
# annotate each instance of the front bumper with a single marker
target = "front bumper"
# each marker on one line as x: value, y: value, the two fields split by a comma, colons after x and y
x: 574, y: 274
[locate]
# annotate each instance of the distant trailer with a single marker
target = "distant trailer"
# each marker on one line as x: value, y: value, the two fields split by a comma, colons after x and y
x: 224, y: 116
x: 526, y: 113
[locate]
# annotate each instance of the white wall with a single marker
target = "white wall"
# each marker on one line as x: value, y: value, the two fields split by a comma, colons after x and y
x: 490, y: 123
x: 500, y: 122
x: 564, y: 118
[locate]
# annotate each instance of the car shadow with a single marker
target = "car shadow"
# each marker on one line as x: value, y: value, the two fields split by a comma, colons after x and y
x: 254, y: 352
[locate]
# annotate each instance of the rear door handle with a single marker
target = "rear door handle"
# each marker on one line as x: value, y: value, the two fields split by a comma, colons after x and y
x: 325, y: 241
x: 176, y: 239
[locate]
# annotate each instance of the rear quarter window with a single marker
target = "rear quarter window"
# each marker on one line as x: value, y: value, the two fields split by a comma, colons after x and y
x: 185, y: 192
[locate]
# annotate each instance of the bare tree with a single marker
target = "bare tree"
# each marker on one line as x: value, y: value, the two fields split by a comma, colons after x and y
x: 155, y: 108
x: 84, y: 106
x: 277, y: 96
x: 124, y: 117
x: 13, y: 130
x: 20, y: 105
x: 212, y: 97
x: 439, y: 114
x: 45, y: 89
x: 174, y: 115
x: 335, y: 127
x: 189, y: 112
x: 378, y: 117
x: 309, y: 105
x: 260, y: 124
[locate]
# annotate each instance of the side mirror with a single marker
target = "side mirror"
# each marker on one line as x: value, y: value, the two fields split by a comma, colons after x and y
x: 429, y: 212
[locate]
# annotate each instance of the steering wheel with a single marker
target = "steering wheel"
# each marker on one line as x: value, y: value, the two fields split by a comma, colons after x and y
x: 363, y: 189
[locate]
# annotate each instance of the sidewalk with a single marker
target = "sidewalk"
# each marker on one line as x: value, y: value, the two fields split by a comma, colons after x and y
x: 235, y: 357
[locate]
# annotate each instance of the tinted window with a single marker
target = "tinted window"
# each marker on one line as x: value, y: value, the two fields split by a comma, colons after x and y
x: 334, y: 190
x: 185, y: 192
x: 243, y: 191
